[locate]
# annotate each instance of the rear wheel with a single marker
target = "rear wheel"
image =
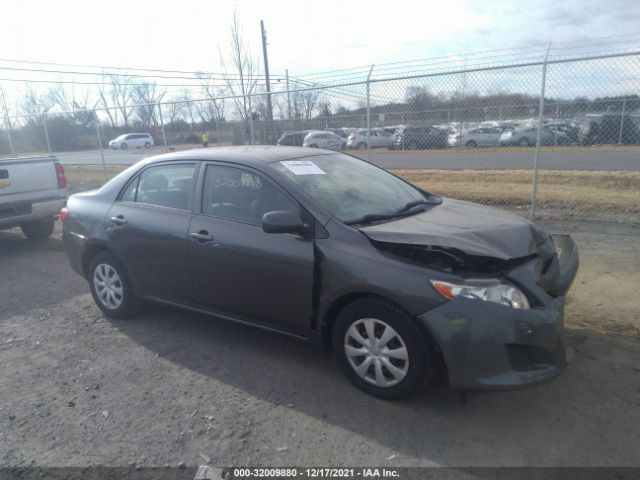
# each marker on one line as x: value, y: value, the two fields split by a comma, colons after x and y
x: 38, y: 229
x: 524, y: 142
x: 111, y: 288
x: 147, y: 145
x: 361, y: 145
x: 412, y: 145
x: 382, y: 350
x: 471, y: 144
x: 313, y: 146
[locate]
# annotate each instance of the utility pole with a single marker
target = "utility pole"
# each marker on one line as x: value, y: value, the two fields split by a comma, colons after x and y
x: 266, y: 71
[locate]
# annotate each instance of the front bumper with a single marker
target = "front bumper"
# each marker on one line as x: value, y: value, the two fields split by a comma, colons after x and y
x: 488, y: 346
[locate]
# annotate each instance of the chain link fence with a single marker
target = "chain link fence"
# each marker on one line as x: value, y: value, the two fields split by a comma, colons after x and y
x: 551, y: 137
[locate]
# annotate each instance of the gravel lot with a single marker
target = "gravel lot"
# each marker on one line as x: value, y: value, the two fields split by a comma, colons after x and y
x: 169, y: 387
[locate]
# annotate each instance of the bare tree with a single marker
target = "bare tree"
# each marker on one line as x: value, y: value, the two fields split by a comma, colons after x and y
x: 214, y: 88
x: 34, y: 103
x: 146, y: 96
x: 117, y: 97
x: 243, y: 82
x: 76, y: 104
x: 304, y: 103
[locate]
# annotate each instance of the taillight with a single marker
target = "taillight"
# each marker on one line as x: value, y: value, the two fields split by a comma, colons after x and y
x: 62, y: 179
x: 64, y: 213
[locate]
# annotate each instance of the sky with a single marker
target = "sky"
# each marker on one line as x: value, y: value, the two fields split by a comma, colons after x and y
x: 304, y: 37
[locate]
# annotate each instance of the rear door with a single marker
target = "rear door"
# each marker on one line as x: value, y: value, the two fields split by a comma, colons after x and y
x: 148, y: 227
x: 238, y: 269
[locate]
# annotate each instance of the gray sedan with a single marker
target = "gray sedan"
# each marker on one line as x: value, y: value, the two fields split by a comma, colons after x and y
x: 328, y: 248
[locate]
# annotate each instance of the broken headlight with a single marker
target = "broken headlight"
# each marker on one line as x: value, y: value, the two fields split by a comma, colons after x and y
x: 487, y: 290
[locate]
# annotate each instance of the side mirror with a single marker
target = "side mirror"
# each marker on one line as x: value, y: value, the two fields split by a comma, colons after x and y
x: 283, y: 222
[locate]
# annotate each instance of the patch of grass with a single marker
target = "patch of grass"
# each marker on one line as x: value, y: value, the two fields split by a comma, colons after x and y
x: 90, y: 176
x: 602, y: 192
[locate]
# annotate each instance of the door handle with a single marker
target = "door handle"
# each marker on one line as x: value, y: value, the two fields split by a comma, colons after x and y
x: 119, y: 220
x: 202, y: 236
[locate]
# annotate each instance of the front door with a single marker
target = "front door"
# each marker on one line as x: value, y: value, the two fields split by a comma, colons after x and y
x: 238, y: 269
x: 148, y: 227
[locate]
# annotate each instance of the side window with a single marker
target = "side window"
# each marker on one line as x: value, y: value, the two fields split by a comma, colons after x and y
x: 237, y: 194
x: 129, y: 194
x: 166, y: 186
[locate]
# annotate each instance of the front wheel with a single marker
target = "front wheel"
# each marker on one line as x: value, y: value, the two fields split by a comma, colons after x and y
x: 38, y: 229
x: 110, y: 286
x: 382, y: 350
x: 124, y: 146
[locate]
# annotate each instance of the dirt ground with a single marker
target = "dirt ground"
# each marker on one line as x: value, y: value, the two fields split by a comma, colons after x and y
x: 78, y: 389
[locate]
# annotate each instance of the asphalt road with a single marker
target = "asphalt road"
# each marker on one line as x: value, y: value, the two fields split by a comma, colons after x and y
x: 171, y: 386
x: 553, y: 158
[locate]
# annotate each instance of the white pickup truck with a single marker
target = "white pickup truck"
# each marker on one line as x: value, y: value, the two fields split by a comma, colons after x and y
x: 32, y: 192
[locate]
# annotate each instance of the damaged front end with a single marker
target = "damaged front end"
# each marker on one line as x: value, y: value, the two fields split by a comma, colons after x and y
x: 488, y: 343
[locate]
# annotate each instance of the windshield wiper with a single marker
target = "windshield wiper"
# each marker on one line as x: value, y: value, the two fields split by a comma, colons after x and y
x: 415, y: 203
x: 407, y: 210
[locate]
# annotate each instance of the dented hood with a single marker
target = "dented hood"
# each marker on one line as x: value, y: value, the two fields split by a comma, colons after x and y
x: 472, y: 228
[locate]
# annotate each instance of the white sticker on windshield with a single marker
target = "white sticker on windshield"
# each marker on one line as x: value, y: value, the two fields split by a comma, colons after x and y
x: 303, y: 167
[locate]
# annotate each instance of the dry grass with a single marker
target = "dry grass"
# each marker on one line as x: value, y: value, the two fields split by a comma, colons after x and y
x: 602, y: 192
x: 82, y: 177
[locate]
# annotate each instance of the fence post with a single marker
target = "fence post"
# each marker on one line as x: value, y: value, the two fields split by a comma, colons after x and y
x: 46, y: 133
x: 536, y: 155
x: 624, y: 107
x: 164, y: 136
x: 369, y: 115
x: 104, y: 165
x: 7, y: 124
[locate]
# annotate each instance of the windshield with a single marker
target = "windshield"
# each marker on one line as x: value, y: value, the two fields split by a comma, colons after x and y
x: 349, y: 188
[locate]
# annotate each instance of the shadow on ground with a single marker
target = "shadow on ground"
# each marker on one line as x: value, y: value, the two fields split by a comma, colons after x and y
x: 567, y: 418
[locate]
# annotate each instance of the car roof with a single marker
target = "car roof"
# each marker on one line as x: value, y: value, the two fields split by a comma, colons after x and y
x: 242, y: 154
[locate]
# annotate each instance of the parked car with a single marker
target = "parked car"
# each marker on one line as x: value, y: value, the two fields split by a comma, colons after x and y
x: 528, y: 136
x: 379, y: 139
x: 477, y: 137
x: 323, y: 139
x: 292, y: 139
x: 32, y: 192
x: 571, y: 130
x: 134, y: 140
x: 326, y: 247
x: 411, y: 138
x: 610, y: 128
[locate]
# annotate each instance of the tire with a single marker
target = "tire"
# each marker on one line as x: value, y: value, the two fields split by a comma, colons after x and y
x: 524, y: 142
x: 412, y: 145
x: 411, y: 375
x: 38, y: 229
x: 123, y: 146
x: 102, y: 269
x: 147, y: 145
x: 313, y: 146
x: 361, y: 145
x: 471, y: 144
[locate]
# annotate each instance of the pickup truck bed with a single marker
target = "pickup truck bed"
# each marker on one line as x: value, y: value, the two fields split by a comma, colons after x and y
x: 32, y: 192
